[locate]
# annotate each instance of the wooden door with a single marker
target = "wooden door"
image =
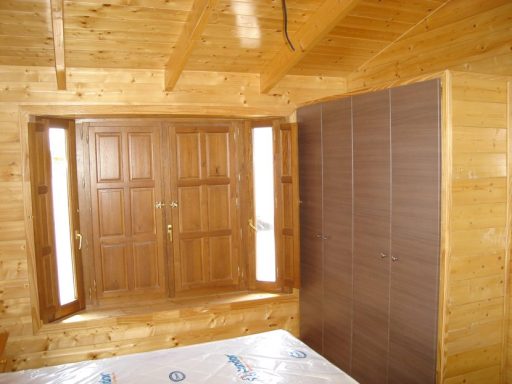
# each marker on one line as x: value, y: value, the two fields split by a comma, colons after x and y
x: 127, y: 228
x: 415, y: 127
x: 337, y: 233
x: 311, y: 218
x: 371, y: 236
x: 205, y: 221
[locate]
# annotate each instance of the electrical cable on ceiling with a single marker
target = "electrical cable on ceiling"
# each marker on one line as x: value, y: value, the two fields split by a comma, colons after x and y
x: 285, y: 25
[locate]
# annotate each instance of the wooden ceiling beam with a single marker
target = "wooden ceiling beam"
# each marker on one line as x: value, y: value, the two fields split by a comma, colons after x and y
x: 58, y: 42
x: 330, y: 13
x: 196, y: 23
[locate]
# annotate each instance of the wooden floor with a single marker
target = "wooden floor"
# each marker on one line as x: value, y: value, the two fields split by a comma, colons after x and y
x: 105, y: 332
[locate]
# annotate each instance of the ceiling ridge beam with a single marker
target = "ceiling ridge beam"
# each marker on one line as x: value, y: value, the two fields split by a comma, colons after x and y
x: 57, y: 11
x: 318, y: 25
x: 196, y: 23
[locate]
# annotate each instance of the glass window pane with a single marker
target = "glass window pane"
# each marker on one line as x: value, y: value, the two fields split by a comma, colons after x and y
x: 61, y: 215
x: 263, y: 170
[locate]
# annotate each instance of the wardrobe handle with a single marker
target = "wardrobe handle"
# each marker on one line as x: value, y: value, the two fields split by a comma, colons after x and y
x: 383, y: 255
x: 318, y: 235
x: 393, y: 258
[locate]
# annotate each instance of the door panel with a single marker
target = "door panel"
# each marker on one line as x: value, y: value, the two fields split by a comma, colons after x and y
x: 140, y: 156
x: 144, y: 258
x: 109, y: 157
x: 415, y: 124
x: 190, y: 264
x: 371, y: 236
x: 204, y: 186
x: 114, y: 260
x: 111, y: 212
x: 217, y: 155
x: 311, y: 259
x: 337, y: 200
x: 190, y: 218
x: 221, y: 258
x: 219, y: 215
x: 143, y: 212
x: 127, y: 227
x: 188, y: 156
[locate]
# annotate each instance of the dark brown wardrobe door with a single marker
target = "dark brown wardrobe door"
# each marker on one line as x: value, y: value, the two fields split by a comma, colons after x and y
x: 310, y: 176
x: 415, y: 125
x: 337, y: 231
x: 371, y: 237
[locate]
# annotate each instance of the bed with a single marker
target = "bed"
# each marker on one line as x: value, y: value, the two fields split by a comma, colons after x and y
x: 274, y: 357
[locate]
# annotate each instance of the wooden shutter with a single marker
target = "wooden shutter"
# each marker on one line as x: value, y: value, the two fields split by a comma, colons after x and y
x: 287, y: 204
x: 43, y: 221
x: 205, y: 219
x: 126, y: 184
x: 286, y: 215
x: 40, y: 169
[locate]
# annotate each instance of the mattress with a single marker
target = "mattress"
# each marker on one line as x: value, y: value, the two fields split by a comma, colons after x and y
x: 273, y: 357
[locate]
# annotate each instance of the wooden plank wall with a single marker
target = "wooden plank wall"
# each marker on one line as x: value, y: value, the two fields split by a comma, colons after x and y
x: 25, y: 90
x: 116, y: 335
x: 200, y: 93
x: 475, y: 323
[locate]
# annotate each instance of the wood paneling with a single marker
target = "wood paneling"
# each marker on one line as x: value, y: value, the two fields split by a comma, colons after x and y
x: 94, y: 91
x: 328, y: 14
x: 477, y: 204
x: 114, y: 333
x: 191, y: 33
x: 368, y: 29
x: 443, y: 40
x: 132, y: 330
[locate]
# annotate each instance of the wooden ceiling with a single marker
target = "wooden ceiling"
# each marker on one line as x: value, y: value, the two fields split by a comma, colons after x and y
x: 331, y: 37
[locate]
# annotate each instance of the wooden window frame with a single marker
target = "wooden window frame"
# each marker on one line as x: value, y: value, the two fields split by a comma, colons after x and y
x: 243, y: 143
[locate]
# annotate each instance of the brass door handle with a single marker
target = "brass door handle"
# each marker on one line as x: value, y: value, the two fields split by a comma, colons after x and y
x: 169, y: 232
x: 79, y: 237
x: 252, y: 226
x: 161, y: 204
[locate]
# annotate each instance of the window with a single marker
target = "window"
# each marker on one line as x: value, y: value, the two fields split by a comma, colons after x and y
x: 263, y: 189
x: 161, y: 206
x: 61, y: 201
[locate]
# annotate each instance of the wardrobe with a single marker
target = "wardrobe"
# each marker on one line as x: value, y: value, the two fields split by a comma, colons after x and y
x: 369, y: 168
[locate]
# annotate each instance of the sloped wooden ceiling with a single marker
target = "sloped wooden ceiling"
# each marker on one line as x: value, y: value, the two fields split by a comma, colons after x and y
x: 234, y: 35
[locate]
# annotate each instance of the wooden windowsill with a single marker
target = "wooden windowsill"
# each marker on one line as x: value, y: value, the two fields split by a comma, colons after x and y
x: 147, y: 310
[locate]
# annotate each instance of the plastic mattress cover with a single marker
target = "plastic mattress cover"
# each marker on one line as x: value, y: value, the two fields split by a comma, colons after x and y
x: 271, y: 358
